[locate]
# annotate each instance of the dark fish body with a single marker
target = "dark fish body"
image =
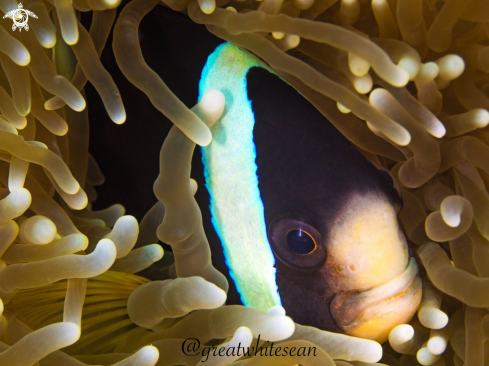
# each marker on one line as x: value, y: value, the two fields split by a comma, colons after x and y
x: 328, y: 215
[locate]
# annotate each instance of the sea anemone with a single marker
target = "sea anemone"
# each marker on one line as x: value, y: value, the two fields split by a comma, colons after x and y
x: 406, y: 81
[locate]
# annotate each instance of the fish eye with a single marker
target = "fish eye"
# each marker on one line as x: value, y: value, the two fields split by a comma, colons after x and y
x: 296, y: 241
x: 300, y: 242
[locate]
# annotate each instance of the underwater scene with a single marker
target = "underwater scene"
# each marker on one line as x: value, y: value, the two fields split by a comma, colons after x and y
x: 244, y: 182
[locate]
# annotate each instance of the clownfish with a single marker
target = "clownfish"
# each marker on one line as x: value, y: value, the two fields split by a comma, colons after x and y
x: 295, y: 215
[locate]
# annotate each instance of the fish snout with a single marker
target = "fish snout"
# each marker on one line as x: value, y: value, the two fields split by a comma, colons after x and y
x: 374, y: 279
x: 374, y: 312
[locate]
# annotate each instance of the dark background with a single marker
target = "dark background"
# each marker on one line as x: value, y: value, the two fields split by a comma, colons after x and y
x: 128, y: 154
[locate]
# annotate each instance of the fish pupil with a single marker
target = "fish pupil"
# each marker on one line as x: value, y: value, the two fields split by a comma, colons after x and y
x: 300, y: 242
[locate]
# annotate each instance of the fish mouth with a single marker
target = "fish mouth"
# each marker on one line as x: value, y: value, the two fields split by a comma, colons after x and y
x: 374, y: 312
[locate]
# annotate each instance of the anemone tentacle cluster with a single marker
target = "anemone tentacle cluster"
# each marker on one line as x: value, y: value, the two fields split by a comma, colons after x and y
x: 406, y: 81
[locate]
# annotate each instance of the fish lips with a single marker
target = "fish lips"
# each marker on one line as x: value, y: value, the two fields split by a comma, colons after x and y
x: 374, y: 312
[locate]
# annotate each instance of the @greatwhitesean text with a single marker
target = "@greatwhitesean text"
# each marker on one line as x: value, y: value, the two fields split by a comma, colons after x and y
x: 192, y: 347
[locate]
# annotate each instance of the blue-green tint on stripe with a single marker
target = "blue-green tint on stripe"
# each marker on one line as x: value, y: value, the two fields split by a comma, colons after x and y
x: 230, y: 173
